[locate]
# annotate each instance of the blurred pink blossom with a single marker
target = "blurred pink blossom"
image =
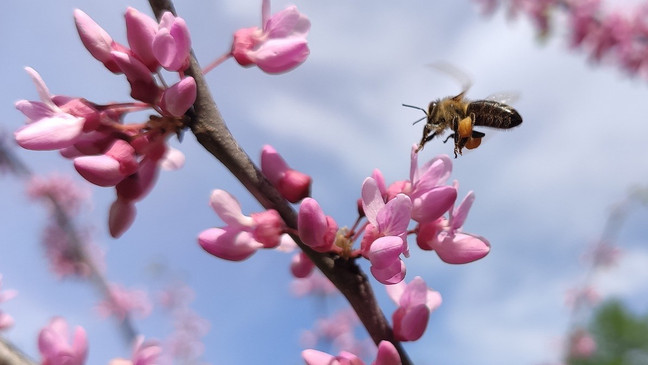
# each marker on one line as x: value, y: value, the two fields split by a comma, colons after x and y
x: 144, y: 353
x: 415, y: 302
x: 123, y: 302
x: 6, y: 321
x: 55, y: 347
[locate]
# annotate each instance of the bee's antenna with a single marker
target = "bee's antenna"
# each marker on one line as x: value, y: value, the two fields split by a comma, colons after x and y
x: 419, y: 108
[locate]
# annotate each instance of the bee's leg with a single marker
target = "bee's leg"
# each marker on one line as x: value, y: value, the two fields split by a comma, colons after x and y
x: 450, y: 136
x: 475, y: 140
x: 426, y: 138
x: 465, y: 125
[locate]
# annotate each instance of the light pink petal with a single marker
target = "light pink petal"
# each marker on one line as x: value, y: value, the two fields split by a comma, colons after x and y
x: 464, y: 248
x: 140, y: 31
x: 385, y: 251
x: 460, y: 213
x: 372, y: 200
x: 390, y: 275
x: 121, y: 216
x: 96, y: 40
x: 387, y: 354
x: 280, y: 55
x: 314, y: 357
x: 80, y: 344
x: 301, y: 266
x: 312, y: 224
x: 34, y: 110
x: 229, y: 209
x: 395, y: 291
x: 41, y: 88
x: 380, y: 181
x: 6, y: 321
x: 172, y: 42
x: 173, y: 159
x: 228, y: 244
x: 434, y: 299
x: 432, y: 205
x: 433, y: 173
x: 100, y: 170
x: 273, y: 165
x: 51, y: 133
x: 288, y: 22
x: 416, y: 293
x: 178, y: 98
x: 410, y: 323
x: 394, y: 218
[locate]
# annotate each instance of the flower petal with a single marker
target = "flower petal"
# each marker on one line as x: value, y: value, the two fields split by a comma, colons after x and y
x: 52, y: 133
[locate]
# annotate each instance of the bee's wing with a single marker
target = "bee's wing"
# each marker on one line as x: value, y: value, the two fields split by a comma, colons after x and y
x: 504, y: 97
x: 453, y: 72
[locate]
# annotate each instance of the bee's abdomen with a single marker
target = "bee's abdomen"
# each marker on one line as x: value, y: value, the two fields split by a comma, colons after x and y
x: 489, y: 113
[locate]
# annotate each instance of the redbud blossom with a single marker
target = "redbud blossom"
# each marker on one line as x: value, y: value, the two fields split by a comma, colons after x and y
x: 279, y: 46
x: 390, y: 222
x: 452, y: 245
x: 415, y: 302
x: 179, y: 97
x: 110, y: 168
x: 316, y: 229
x: 97, y: 41
x: 55, y: 347
x: 172, y: 43
x: 49, y: 127
x: 122, y: 302
x: 291, y: 184
x: 6, y: 320
x: 581, y: 345
x: 387, y: 355
x: 301, y: 266
x: 140, y: 32
x: 243, y: 235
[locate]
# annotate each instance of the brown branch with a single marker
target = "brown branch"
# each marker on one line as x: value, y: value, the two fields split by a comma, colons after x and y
x: 10, y: 355
x: 211, y: 132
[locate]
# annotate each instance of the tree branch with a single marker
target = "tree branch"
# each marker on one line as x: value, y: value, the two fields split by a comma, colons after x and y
x: 212, y: 133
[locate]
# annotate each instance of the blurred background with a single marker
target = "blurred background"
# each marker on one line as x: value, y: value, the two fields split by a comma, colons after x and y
x: 543, y: 191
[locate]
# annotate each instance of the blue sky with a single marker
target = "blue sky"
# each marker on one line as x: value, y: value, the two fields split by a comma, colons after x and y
x: 543, y: 191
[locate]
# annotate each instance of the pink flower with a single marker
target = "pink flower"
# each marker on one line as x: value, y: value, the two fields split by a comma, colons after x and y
x: 97, y: 41
x: 110, y: 168
x: 54, y: 344
x: 243, y: 235
x: 301, y: 266
x: 6, y: 320
x: 172, y: 43
x: 293, y: 185
x: 279, y: 46
x: 447, y: 240
x: 388, y: 228
x: 415, y: 302
x: 581, y: 345
x: 316, y: 229
x: 387, y: 355
x: 49, y: 127
x: 143, y: 354
x: 122, y: 302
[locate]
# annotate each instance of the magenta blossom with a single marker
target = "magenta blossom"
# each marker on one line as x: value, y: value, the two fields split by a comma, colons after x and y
x: 243, y: 235
x: 387, y: 355
x: 415, y: 302
x: 292, y: 184
x: 388, y: 228
x: 55, y: 347
x: 316, y: 229
x: 448, y: 241
x: 279, y: 46
x: 49, y: 126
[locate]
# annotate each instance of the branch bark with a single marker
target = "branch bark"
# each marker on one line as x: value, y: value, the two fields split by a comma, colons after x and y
x: 212, y: 133
x: 10, y: 355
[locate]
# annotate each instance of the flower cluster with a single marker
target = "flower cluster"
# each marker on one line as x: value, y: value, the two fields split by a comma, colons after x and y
x: 105, y: 151
x: 387, y: 355
x: 619, y: 36
x: 424, y: 199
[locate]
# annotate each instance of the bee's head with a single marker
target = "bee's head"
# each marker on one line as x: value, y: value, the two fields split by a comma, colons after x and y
x: 432, y: 111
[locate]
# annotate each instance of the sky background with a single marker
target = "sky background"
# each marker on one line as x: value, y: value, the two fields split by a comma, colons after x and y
x: 543, y: 191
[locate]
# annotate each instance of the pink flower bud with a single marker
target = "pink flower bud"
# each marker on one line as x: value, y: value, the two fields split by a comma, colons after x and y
x: 461, y: 248
x: 269, y: 228
x: 140, y: 31
x: 143, y: 86
x: 172, y: 43
x: 121, y: 216
x: 97, y: 41
x: 178, y: 98
x: 50, y: 133
x: 315, y: 229
x: 301, y: 266
x: 387, y: 354
x: 110, y: 168
x: 229, y: 243
x: 293, y: 185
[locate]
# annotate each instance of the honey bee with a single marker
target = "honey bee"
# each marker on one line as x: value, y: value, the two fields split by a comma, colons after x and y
x: 461, y: 115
